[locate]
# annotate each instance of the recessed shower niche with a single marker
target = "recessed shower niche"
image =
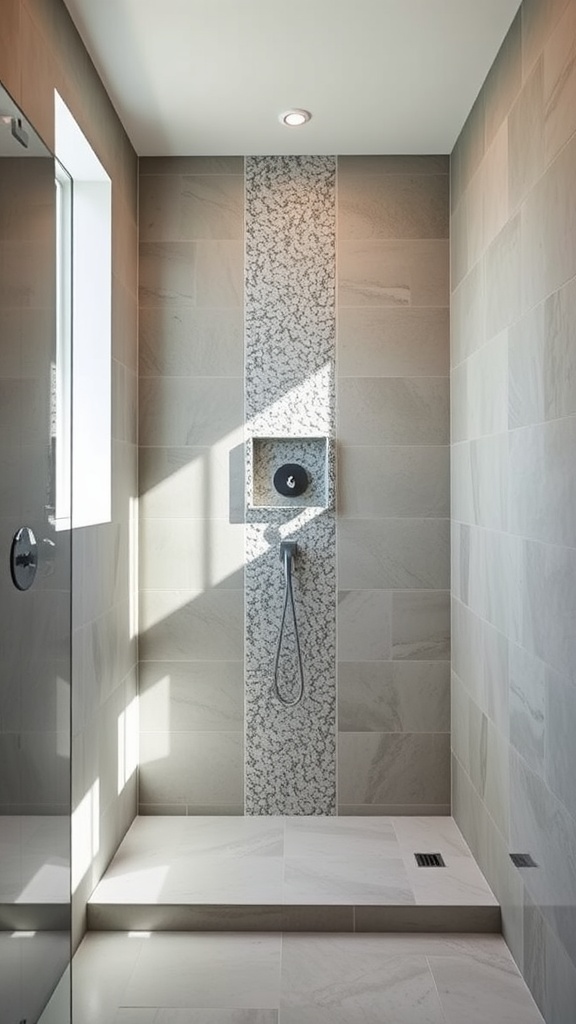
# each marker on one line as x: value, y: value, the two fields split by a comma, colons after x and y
x: 268, y: 454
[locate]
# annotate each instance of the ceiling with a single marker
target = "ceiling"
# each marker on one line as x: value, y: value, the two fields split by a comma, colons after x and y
x: 192, y: 77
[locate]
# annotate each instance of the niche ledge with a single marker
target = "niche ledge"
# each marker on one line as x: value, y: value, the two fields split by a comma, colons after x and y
x: 267, y: 454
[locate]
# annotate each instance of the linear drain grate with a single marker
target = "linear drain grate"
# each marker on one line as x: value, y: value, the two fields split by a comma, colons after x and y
x: 430, y: 860
x: 523, y: 860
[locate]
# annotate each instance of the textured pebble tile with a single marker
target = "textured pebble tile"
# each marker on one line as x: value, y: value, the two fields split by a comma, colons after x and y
x: 290, y: 292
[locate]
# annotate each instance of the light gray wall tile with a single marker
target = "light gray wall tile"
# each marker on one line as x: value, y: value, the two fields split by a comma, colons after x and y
x: 364, y: 625
x: 421, y: 625
x: 504, y: 79
x: 548, y: 225
x: 199, y: 274
x: 191, y: 342
x: 191, y: 554
x: 389, y: 697
x: 180, y: 626
x: 469, y: 149
x: 176, y: 411
x: 560, y: 83
x: 381, y: 768
x: 503, y: 278
x: 543, y: 482
x: 493, y: 183
x: 549, y: 605
x: 528, y: 706
x: 190, y: 483
x: 560, y: 756
x: 480, y: 482
x: 403, y: 164
x: 539, y: 18
x: 401, y: 411
x: 191, y: 768
x: 467, y: 314
x: 176, y: 165
x: 526, y: 137
x: 393, y: 481
x: 541, y: 824
x: 191, y: 696
x: 542, y: 360
x: 393, y: 206
x: 393, y: 273
x: 393, y: 554
x: 191, y: 207
x: 389, y: 342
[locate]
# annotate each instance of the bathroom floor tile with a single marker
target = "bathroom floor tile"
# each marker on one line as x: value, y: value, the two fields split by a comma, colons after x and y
x: 257, y: 862
x: 362, y: 879
x: 476, y: 992
x: 207, y: 970
x: 175, y: 978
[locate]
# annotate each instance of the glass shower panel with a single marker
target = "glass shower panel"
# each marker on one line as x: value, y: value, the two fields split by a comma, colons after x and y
x: 35, y: 586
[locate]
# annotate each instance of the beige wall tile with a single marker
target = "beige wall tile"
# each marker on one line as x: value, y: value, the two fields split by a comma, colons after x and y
x: 394, y: 481
x: 385, y: 342
x: 421, y: 625
x: 191, y: 207
x: 389, y: 697
x: 393, y: 206
x: 404, y: 410
x: 393, y: 273
x: 191, y: 342
x: 393, y: 554
x: 179, y: 411
x: 386, y: 768
x: 364, y: 625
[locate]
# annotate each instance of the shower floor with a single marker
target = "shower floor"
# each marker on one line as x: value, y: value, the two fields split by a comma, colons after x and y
x: 292, y: 874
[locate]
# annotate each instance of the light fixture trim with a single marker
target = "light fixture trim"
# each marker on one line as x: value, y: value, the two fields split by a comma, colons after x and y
x: 295, y: 117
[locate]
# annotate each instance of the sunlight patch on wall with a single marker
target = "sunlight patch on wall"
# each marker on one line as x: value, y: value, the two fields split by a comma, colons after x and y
x: 85, y: 833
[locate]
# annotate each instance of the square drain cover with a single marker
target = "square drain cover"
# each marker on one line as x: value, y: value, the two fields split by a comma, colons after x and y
x: 430, y: 860
x: 523, y: 860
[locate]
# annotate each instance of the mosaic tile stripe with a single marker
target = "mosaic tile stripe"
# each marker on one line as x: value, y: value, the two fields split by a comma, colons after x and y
x: 290, y: 356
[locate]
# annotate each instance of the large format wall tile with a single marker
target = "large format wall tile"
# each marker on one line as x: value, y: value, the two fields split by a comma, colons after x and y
x: 400, y: 410
x: 197, y: 206
x: 393, y: 426
x: 393, y: 768
x: 393, y: 273
x: 178, y: 411
x: 390, y: 342
x: 393, y: 481
x: 514, y: 597
x: 394, y: 554
x: 393, y: 697
x: 394, y: 206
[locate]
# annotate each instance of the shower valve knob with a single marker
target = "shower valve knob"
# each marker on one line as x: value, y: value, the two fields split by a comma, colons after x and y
x: 291, y: 480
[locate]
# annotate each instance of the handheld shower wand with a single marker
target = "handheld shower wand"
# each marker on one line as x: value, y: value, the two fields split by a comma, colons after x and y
x: 288, y: 549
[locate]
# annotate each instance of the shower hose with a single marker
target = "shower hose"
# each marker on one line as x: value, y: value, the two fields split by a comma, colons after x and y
x: 287, y: 552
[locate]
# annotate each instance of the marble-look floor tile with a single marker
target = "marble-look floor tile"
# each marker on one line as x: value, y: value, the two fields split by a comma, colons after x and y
x: 430, y: 835
x: 234, y: 971
x: 366, y: 879
x: 170, y: 1016
x: 302, y: 979
x: 476, y: 992
x: 338, y: 837
x: 348, y: 980
x: 460, y: 883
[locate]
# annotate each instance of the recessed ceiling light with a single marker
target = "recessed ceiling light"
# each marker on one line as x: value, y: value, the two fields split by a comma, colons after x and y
x: 293, y: 118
